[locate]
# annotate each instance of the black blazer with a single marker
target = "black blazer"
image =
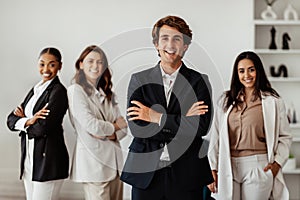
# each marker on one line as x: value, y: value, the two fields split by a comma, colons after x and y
x: 51, y: 159
x: 182, y: 134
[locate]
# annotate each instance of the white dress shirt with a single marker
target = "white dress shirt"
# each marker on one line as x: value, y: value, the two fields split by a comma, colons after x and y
x: 168, y: 81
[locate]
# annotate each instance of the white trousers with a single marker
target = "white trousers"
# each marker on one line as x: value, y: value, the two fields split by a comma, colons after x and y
x: 249, y: 179
x: 112, y: 190
x: 48, y: 190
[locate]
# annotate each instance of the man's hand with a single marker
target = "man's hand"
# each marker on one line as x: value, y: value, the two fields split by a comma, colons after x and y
x: 141, y: 112
x: 197, y: 108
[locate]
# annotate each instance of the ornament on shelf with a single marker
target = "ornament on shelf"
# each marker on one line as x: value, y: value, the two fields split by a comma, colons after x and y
x: 292, y: 114
x: 268, y: 13
x: 290, y: 12
x: 294, y: 119
x: 289, y: 115
x: 273, y: 43
x: 282, y: 71
x: 285, y: 39
x: 290, y: 163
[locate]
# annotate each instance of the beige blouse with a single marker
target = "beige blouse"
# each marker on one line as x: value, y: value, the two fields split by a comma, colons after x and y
x: 246, y: 129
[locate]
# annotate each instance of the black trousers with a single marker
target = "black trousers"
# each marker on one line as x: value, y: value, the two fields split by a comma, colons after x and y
x: 164, y: 187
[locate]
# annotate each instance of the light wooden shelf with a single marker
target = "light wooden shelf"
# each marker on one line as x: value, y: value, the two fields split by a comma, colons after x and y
x: 291, y: 171
x: 294, y: 125
x: 277, y: 51
x: 286, y: 86
x: 277, y: 22
x: 296, y: 139
x: 284, y: 79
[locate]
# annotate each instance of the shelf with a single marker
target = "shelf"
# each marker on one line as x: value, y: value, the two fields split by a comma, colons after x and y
x: 284, y: 79
x: 296, y: 139
x: 295, y: 125
x: 276, y: 22
x: 291, y: 171
x: 277, y: 51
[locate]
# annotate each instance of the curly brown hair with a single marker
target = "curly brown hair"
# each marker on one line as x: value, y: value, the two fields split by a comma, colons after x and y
x: 175, y: 22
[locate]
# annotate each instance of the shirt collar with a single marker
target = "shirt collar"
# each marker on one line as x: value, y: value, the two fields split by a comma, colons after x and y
x: 41, y: 86
x: 241, y: 96
x: 172, y: 76
x: 100, y: 94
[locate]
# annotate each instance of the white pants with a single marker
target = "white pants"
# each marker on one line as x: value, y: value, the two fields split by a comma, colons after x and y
x: 249, y: 179
x: 48, y: 190
x: 112, y: 190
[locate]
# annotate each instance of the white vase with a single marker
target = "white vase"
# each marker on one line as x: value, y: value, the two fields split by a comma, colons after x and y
x: 268, y: 14
x: 290, y: 164
x: 290, y: 12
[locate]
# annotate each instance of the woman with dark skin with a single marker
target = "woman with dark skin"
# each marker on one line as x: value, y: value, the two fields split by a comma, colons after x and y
x: 44, y: 156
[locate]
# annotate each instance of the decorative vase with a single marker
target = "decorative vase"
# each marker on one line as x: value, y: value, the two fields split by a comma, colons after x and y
x: 290, y: 12
x: 268, y: 13
x: 290, y: 164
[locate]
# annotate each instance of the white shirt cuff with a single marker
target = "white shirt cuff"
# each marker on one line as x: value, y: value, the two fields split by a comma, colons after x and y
x: 20, y: 124
x: 159, y: 121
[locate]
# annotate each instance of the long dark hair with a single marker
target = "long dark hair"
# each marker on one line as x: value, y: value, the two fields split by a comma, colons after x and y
x: 104, y: 81
x: 262, y: 84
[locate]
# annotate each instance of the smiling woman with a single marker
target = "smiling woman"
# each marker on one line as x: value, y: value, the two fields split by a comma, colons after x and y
x: 99, y: 126
x: 45, y: 160
x: 257, y: 138
x: 49, y: 64
x: 247, y: 75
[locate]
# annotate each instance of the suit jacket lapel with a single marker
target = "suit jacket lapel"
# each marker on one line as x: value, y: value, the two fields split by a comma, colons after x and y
x: 269, y: 115
x: 28, y: 97
x: 159, y: 92
x: 43, y: 98
x: 182, y: 80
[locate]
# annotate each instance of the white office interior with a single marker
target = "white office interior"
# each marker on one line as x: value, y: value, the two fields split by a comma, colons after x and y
x: 221, y: 30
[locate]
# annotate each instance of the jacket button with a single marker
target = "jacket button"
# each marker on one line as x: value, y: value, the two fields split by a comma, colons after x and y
x: 161, y: 144
x: 44, y: 154
x: 45, y: 135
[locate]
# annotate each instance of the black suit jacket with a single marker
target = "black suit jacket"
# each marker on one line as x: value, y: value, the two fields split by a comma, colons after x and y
x: 182, y: 134
x: 51, y: 160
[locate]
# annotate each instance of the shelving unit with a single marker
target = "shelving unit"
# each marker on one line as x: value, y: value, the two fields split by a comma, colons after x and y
x: 276, y: 22
x: 295, y: 126
x: 292, y: 171
x: 287, y: 87
x: 278, y: 51
x: 283, y: 79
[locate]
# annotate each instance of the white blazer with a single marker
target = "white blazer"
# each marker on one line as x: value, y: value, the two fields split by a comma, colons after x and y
x: 278, y: 139
x: 94, y: 160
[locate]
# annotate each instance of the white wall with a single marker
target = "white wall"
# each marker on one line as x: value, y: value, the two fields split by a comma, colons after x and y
x: 222, y: 28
